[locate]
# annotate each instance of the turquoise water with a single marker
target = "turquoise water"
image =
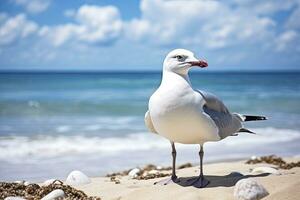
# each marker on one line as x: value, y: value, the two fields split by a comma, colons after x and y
x: 94, y: 121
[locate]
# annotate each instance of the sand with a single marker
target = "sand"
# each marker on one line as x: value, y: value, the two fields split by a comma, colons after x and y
x: 222, y: 180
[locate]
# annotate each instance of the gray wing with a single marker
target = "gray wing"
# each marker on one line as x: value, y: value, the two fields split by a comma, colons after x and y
x: 227, y: 123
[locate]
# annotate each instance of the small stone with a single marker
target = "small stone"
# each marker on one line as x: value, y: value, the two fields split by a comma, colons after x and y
x: 14, y: 198
x: 249, y: 189
x: 54, y: 194
x: 77, y: 178
x: 153, y: 171
x: 48, y: 182
x: 269, y: 170
x: 253, y: 157
x: 26, y: 183
x: 134, y: 173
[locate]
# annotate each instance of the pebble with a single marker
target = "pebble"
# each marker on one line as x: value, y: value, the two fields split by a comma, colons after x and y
x: 48, y: 182
x: 269, y: 170
x: 249, y: 189
x: 134, y: 173
x: 54, y: 194
x: 77, y: 178
x: 26, y: 183
x: 14, y: 198
x: 253, y: 157
x: 153, y: 171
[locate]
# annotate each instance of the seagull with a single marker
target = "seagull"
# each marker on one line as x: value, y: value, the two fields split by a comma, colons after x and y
x: 185, y: 115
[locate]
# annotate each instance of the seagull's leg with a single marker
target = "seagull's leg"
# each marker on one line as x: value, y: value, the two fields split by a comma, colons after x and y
x: 173, y: 178
x: 200, y: 181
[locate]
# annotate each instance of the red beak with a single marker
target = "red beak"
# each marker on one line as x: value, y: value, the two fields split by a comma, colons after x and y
x: 199, y: 63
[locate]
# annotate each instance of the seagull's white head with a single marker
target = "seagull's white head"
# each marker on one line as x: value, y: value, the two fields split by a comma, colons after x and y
x: 181, y: 60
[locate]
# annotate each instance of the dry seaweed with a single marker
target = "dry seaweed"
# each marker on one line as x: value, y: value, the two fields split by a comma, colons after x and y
x: 34, y: 191
x: 147, y: 172
x: 275, y: 160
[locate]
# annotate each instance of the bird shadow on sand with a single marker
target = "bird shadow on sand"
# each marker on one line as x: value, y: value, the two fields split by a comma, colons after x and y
x: 217, y: 181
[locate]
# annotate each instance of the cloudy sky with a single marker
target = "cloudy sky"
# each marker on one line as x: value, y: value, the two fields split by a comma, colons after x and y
x: 137, y: 34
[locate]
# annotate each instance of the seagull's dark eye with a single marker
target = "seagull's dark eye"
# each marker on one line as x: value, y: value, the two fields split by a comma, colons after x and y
x: 179, y: 57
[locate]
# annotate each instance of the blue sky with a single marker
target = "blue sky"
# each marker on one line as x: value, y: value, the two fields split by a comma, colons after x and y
x: 137, y: 34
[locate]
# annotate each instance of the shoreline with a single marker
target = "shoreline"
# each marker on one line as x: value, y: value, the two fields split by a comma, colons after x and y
x: 181, y: 162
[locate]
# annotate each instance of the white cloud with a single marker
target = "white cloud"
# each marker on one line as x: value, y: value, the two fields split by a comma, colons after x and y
x: 95, y: 25
x: 211, y: 24
x: 15, y: 28
x: 34, y: 6
x: 286, y: 40
x: 294, y: 19
x: 264, y: 7
x: 70, y: 13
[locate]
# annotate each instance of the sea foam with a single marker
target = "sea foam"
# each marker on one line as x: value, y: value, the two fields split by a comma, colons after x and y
x: 39, y: 147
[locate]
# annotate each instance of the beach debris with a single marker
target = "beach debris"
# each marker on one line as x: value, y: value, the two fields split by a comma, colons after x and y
x: 48, y: 182
x: 186, y: 165
x: 147, y: 172
x: 152, y: 174
x: 19, y: 182
x: 134, y: 173
x: 115, y: 179
x: 58, y: 193
x: 249, y: 189
x: 26, y: 183
x: 275, y: 160
x: 77, y: 178
x: 269, y: 170
x: 14, y: 198
x: 34, y: 191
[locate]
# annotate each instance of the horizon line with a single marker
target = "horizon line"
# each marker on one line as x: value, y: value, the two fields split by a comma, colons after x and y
x: 139, y: 71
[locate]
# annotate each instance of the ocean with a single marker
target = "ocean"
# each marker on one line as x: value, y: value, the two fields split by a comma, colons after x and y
x: 53, y: 123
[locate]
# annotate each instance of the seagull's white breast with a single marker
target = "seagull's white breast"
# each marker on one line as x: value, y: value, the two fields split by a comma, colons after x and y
x: 176, y: 112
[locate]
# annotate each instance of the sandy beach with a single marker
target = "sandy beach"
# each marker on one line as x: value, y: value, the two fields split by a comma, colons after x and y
x: 280, y: 180
x: 222, y: 176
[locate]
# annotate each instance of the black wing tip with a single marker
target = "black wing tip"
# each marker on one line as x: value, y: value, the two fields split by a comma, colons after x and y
x: 254, y: 118
x: 246, y: 131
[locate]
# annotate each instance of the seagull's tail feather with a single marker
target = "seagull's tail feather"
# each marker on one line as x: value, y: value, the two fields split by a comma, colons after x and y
x: 253, y: 118
x: 245, y: 118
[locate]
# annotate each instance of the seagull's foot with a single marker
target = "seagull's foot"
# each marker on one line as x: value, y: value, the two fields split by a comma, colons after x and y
x: 199, y: 182
x: 167, y: 181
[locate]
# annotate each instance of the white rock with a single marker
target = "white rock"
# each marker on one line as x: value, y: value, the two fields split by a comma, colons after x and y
x: 48, y: 182
x: 159, y: 167
x: 77, y: 178
x: 269, y: 170
x: 253, y: 157
x: 14, y: 198
x: 249, y: 189
x: 134, y: 173
x: 26, y: 183
x: 153, y: 171
x: 54, y: 194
